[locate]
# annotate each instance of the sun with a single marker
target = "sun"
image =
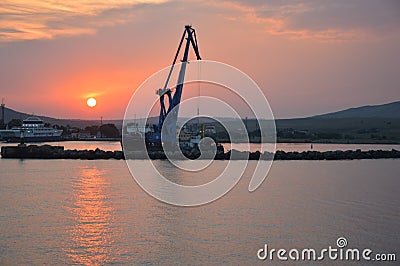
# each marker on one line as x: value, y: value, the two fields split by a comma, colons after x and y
x: 91, y: 102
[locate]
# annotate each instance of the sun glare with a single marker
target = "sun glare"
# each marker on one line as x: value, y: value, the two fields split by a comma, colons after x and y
x: 91, y: 102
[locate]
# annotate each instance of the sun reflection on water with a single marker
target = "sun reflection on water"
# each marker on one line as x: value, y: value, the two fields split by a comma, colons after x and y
x: 91, y: 234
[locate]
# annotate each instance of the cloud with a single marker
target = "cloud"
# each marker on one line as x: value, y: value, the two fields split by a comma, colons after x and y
x: 28, y: 20
x: 321, y: 20
x: 339, y: 20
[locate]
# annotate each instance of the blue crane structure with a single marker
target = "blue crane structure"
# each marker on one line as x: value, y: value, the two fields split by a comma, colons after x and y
x: 169, y: 128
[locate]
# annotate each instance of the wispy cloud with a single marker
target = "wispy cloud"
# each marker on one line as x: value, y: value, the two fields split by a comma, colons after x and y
x: 36, y: 19
x: 320, y: 20
x: 339, y: 20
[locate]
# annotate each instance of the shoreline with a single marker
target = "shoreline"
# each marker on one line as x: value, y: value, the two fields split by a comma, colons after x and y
x: 382, y: 142
x: 58, y: 152
x: 291, y: 141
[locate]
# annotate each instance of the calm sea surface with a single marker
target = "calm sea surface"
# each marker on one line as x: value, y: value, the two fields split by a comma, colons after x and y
x: 92, y: 212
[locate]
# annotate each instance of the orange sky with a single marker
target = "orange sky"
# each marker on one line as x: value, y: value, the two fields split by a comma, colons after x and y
x: 308, y: 57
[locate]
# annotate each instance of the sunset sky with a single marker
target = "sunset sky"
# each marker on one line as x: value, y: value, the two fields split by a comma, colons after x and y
x: 308, y: 57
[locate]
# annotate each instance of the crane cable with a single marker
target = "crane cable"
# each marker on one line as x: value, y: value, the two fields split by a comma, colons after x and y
x: 198, y: 91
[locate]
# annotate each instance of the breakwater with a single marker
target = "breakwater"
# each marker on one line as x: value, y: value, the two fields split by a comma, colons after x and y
x: 58, y: 152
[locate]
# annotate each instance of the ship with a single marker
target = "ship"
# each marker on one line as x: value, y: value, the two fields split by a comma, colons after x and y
x: 33, y: 129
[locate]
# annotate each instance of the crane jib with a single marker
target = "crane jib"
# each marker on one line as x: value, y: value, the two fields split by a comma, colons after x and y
x: 169, y: 130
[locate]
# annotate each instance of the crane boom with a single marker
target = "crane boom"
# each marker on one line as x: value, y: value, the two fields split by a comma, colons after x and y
x: 174, y: 100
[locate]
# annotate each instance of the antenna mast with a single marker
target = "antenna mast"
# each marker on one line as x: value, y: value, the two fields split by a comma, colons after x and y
x: 2, y: 111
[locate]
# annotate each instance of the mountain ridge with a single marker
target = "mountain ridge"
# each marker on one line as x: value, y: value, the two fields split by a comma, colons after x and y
x: 10, y: 114
x: 388, y: 110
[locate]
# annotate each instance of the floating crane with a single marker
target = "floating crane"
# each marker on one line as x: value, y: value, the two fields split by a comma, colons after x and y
x: 174, y: 98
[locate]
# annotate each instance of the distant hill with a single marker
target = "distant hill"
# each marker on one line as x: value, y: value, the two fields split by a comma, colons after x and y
x: 365, y: 124
x: 10, y: 114
x: 389, y: 110
x: 368, y: 124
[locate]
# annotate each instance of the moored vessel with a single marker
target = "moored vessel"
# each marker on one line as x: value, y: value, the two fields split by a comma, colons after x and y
x: 33, y: 129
